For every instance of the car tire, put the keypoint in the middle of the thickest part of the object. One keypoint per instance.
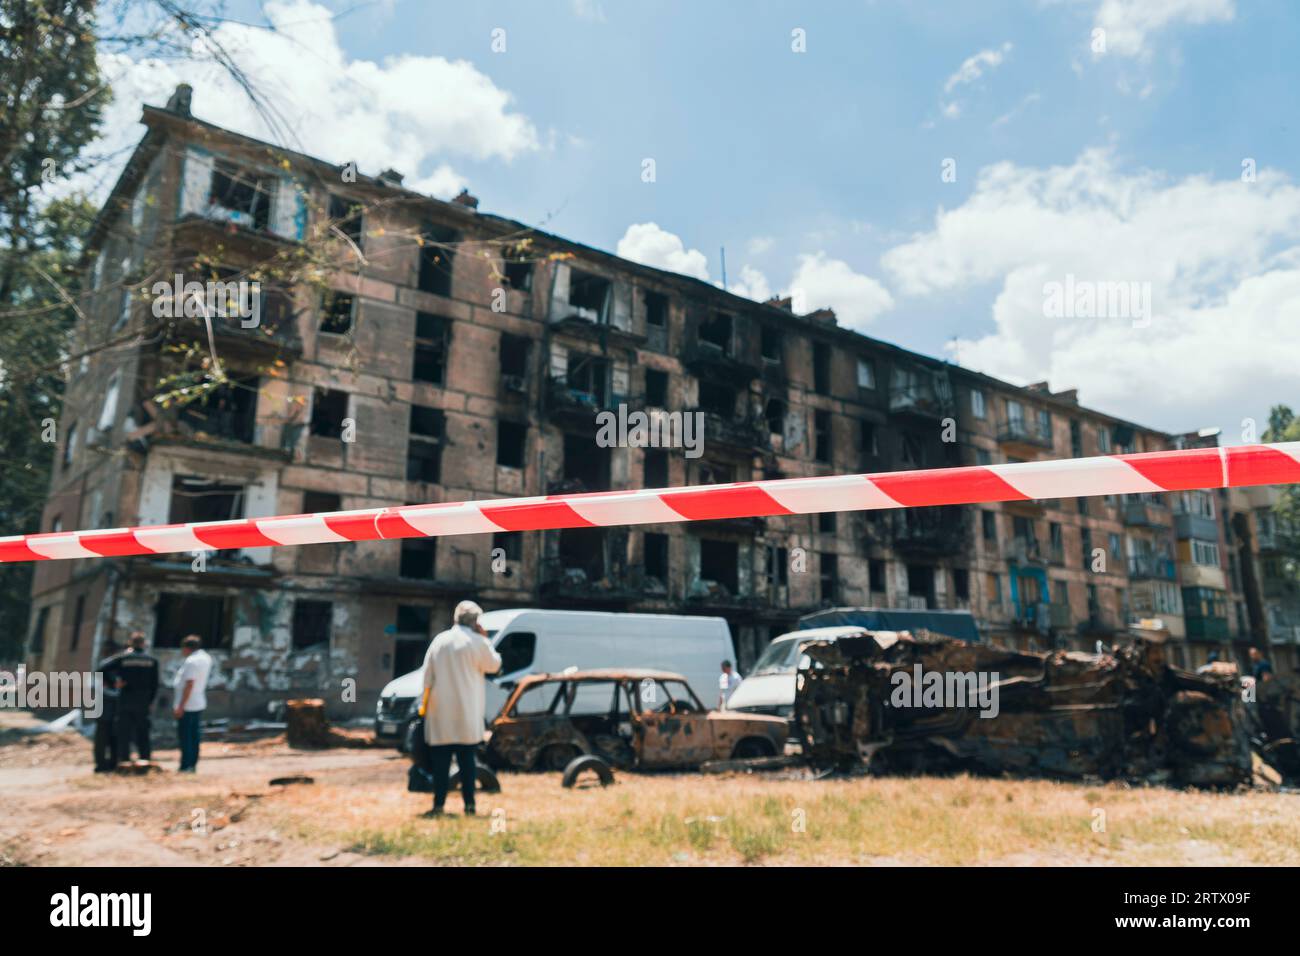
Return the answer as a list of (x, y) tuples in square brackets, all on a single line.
[(484, 780), (752, 747), (557, 757), (587, 762)]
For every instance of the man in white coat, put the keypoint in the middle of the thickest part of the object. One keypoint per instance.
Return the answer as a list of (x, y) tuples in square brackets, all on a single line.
[(453, 701)]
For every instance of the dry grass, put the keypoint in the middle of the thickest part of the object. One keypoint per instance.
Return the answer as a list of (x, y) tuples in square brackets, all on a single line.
[(658, 820)]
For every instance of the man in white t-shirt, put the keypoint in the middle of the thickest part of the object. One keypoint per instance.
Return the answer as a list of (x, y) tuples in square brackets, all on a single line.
[(191, 699), (728, 681)]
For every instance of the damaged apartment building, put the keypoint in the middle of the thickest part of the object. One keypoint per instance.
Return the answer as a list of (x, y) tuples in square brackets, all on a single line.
[(411, 350)]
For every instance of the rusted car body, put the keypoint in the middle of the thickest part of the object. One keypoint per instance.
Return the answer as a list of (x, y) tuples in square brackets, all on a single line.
[(635, 719), (1121, 715)]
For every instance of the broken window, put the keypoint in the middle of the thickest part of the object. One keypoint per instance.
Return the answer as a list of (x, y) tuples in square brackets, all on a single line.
[(424, 445), (822, 435), (770, 343), (518, 270), (108, 411), (241, 195), (656, 468), (876, 575), (311, 623), (774, 412), (821, 368), (656, 309), (588, 378), (961, 584), (179, 615), (78, 616), (227, 411), (826, 522), (336, 310), (868, 443), (920, 582), (413, 619), (656, 388), (511, 544), (589, 296), (329, 409), (37, 643), (70, 445), (204, 499), (912, 451), (718, 563), (437, 252), (866, 373), (514, 358), (715, 330), (656, 556), (346, 216), (582, 550), (512, 442), (418, 559), (828, 569), (778, 566), (586, 465), (718, 399), (432, 338), (990, 525)]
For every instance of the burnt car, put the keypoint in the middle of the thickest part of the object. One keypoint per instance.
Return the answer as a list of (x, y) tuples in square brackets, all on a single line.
[(634, 719)]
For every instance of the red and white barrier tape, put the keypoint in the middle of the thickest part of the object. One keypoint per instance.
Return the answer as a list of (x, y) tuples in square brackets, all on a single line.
[(1076, 477)]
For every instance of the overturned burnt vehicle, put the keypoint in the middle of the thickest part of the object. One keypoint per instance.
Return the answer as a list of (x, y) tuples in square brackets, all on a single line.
[(920, 702), (632, 719)]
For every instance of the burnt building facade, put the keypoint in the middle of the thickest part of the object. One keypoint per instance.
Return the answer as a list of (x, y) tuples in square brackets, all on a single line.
[(405, 349)]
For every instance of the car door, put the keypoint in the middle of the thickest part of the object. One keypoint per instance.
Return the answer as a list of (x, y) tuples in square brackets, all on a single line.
[(672, 726)]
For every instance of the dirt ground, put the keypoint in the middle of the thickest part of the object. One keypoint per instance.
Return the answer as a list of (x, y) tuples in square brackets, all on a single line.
[(355, 811)]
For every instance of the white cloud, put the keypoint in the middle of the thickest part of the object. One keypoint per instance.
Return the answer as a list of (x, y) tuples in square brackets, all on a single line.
[(592, 10), (759, 245), (1222, 259), (752, 285), (971, 69), (406, 112), (821, 282), (975, 66), (1129, 23), (646, 243)]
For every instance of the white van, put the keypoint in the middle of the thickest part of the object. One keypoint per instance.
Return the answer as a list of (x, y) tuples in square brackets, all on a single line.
[(534, 641), (769, 687)]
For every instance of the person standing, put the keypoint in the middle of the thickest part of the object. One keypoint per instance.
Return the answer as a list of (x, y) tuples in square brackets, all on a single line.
[(728, 681), (136, 676), (453, 701), (105, 746), (191, 699)]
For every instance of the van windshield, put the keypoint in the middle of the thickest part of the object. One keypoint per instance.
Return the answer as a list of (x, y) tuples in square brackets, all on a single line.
[(781, 656)]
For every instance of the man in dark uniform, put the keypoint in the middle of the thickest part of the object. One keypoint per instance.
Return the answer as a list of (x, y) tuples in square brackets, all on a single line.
[(136, 674), (105, 729)]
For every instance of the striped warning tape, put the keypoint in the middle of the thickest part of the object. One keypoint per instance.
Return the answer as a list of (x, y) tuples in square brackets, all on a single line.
[(1069, 478)]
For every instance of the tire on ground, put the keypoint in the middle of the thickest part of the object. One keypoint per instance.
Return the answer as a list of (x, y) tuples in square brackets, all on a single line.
[(580, 765), (484, 779)]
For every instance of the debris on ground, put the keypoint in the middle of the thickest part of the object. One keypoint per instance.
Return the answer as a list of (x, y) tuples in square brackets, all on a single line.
[(1122, 715)]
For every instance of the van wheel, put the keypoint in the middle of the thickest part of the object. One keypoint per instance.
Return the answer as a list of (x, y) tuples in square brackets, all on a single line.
[(585, 765), (752, 747), (484, 780), (557, 756)]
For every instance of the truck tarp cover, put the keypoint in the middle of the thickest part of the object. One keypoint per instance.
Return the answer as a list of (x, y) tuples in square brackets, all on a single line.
[(955, 624)]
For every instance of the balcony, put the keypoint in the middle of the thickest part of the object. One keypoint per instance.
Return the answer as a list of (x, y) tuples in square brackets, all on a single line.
[(1032, 617), (591, 582), (927, 397), (1150, 567), (1196, 526), (926, 531), (704, 593), (745, 434), (1137, 514), (1023, 551), (1021, 436), (577, 401), (1207, 629), (708, 359), (244, 321)]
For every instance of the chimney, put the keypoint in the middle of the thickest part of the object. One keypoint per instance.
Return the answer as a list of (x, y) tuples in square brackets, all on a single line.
[(179, 101), (786, 304), (1039, 387), (463, 198), (824, 316), (391, 177)]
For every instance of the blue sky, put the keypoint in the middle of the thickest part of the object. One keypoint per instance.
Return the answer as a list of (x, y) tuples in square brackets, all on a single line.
[(820, 170)]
